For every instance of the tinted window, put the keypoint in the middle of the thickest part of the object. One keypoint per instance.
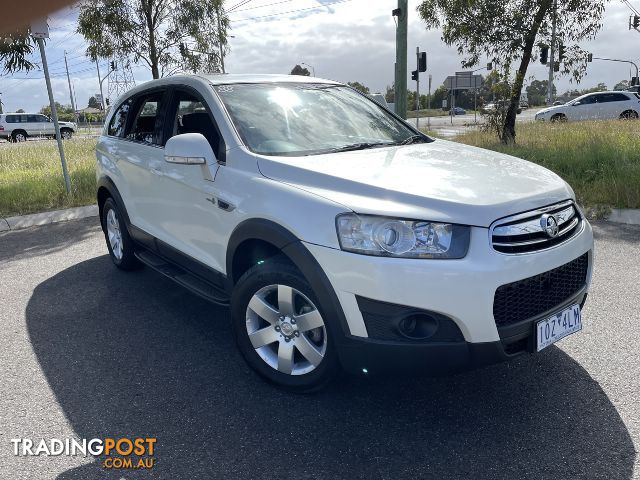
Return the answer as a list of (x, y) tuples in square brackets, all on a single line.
[(617, 97), (589, 100), (33, 118), (13, 118), (191, 116), (143, 127), (119, 120), (42, 118)]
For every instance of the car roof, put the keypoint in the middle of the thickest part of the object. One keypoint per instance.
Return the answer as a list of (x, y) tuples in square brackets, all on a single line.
[(225, 79)]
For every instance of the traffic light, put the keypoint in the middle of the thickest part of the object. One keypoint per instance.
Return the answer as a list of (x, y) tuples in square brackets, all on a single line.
[(544, 55), (590, 58), (107, 101), (556, 66), (113, 65), (183, 49), (422, 62), (636, 21), (414, 75), (489, 66), (561, 52)]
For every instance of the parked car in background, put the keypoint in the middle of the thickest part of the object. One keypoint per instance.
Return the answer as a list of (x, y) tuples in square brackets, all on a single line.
[(458, 111), (594, 106), (491, 107), (340, 236), (557, 102), (17, 127)]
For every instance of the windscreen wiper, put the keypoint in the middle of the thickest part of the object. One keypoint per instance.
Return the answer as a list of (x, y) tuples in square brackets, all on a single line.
[(414, 139), (360, 146)]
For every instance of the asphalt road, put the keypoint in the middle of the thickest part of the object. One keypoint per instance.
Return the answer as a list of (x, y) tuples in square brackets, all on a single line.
[(87, 351)]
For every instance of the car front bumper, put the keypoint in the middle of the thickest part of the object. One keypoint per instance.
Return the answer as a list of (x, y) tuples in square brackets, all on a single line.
[(460, 291)]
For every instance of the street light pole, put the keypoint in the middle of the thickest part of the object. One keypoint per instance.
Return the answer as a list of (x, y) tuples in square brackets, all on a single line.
[(100, 80)]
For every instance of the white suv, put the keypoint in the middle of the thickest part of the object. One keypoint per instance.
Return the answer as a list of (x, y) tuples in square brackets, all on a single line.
[(18, 127), (594, 106), (339, 235)]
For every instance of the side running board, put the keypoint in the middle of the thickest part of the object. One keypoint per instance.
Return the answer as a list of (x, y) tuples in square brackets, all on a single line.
[(182, 277)]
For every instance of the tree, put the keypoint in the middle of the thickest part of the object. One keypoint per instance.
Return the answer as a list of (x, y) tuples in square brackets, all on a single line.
[(94, 103), (167, 35), (622, 85), (507, 32), (20, 110), (298, 70), (537, 92), (360, 87), (15, 47)]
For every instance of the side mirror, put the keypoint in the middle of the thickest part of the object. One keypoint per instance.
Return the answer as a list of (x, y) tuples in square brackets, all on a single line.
[(189, 149)]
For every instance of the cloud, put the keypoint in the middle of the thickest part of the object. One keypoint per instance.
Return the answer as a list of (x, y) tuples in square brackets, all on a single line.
[(352, 40)]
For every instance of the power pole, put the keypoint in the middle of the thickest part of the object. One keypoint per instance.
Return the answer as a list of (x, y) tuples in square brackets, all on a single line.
[(552, 53), (418, 87), (66, 65), (1, 104), (429, 104), (400, 93), (54, 113), (220, 39)]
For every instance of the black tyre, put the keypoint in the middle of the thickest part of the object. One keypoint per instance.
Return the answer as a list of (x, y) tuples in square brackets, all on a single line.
[(560, 117), (66, 133), (19, 136), (629, 115), (280, 327), (117, 237)]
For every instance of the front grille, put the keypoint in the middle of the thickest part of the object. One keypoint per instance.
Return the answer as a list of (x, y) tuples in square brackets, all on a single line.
[(536, 230), (533, 296)]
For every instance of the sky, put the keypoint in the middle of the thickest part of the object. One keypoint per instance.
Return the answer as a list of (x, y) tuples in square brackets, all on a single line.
[(343, 40)]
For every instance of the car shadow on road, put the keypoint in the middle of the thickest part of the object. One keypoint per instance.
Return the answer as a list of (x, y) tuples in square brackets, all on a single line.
[(135, 355)]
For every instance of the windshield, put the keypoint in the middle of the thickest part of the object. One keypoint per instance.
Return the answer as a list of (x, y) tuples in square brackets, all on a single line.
[(310, 119)]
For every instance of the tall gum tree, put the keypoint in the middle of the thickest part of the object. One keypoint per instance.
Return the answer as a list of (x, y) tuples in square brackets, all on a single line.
[(509, 32), (165, 35)]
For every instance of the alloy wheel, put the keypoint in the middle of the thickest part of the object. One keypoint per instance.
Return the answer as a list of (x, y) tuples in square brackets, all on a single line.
[(286, 329), (114, 234)]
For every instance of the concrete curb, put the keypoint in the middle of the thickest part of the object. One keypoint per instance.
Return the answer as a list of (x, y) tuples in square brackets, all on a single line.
[(624, 215), (45, 218)]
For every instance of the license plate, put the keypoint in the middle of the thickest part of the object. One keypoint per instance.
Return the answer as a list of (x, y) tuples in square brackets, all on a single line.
[(558, 326)]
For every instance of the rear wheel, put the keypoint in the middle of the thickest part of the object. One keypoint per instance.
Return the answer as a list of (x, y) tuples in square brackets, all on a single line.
[(280, 328), (559, 117), (66, 134), (629, 115), (117, 237), (19, 136)]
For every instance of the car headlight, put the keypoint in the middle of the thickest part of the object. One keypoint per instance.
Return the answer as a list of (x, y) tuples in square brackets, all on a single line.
[(372, 235)]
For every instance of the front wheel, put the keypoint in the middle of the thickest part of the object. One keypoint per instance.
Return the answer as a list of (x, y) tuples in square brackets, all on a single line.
[(66, 134), (119, 242), (280, 328), (560, 117), (629, 115)]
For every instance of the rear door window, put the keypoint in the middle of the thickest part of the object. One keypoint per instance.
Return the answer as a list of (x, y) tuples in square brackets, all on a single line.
[(145, 126), (119, 120)]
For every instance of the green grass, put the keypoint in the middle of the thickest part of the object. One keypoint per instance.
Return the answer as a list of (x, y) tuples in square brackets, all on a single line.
[(430, 113), (600, 160), (31, 176)]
